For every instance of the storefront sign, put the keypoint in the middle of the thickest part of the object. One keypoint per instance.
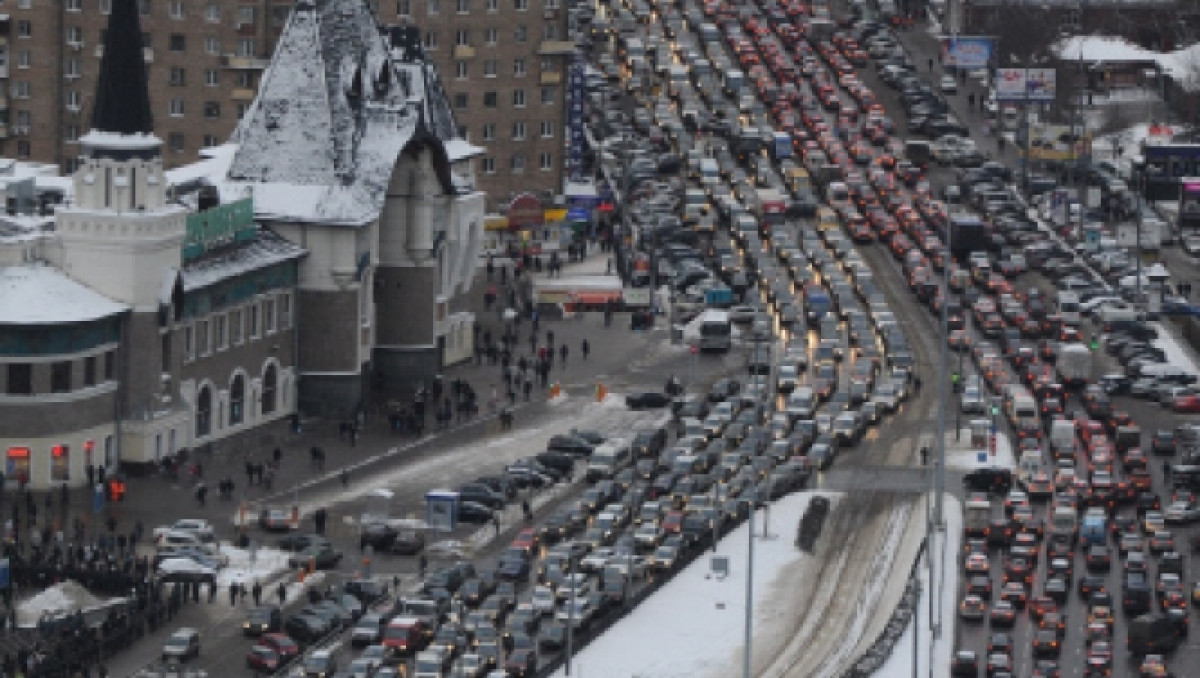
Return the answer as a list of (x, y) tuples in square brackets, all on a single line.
[(575, 101), (219, 226), (525, 211)]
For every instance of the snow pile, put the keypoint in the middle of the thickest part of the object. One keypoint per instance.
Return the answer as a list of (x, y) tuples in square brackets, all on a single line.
[(268, 563), (559, 399), (945, 547), (1176, 353), (63, 598), (704, 608), (1180, 65)]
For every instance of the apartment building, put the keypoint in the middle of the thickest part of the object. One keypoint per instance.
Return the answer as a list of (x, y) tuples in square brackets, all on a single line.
[(204, 60), (503, 64)]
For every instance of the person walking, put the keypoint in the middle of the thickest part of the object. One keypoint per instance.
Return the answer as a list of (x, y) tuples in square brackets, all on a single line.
[(233, 593), (563, 353), (345, 476), (422, 563), (585, 348), (256, 593), (281, 593)]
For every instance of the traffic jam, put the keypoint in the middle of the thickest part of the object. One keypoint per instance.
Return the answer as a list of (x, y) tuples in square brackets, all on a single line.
[(781, 203)]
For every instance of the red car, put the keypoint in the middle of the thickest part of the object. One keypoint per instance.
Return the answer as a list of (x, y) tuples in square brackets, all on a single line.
[(280, 643), (1187, 404), (263, 658)]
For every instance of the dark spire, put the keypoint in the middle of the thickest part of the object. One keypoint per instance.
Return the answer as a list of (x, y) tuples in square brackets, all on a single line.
[(122, 100)]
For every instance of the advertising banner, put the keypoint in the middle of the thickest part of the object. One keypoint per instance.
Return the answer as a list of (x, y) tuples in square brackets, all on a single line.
[(966, 51), (1010, 84), (577, 93), (1040, 84)]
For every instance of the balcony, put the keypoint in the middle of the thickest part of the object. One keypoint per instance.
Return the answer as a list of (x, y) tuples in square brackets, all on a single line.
[(551, 78), (464, 52), (244, 63), (242, 94), (556, 47)]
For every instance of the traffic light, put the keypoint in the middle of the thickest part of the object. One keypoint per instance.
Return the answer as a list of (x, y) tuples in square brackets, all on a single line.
[(1094, 343), (995, 410), (954, 382)]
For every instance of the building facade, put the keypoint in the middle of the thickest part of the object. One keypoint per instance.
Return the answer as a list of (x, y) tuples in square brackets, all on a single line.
[(503, 63)]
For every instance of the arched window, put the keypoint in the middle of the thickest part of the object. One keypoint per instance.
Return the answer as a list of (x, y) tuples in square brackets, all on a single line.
[(204, 412), (270, 390), (237, 400)]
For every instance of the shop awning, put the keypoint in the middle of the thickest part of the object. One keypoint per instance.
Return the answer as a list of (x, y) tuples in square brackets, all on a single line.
[(495, 223), (595, 297)]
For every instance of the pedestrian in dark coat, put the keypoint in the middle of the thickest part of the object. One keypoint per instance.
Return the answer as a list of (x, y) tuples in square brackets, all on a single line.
[(256, 593), (281, 593)]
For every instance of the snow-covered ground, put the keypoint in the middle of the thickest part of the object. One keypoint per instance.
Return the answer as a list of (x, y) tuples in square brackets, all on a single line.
[(692, 627), (267, 564), (66, 597), (945, 546), (960, 454), (1177, 353)]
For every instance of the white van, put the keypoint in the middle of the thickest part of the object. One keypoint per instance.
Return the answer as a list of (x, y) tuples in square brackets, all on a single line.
[(802, 403), (609, 459), (1068, 307), (710, 172)]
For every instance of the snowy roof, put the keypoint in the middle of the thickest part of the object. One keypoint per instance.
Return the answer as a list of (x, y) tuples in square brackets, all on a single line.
[(461, 149), (1182, 65), (322, 137), (267, 249), (41, 295)]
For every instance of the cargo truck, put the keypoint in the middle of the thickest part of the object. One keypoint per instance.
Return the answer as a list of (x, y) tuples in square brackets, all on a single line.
[(1074, 364), (1064, 525), (1153, 634), (978, 516)]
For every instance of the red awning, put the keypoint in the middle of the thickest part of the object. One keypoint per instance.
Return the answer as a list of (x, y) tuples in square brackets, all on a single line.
[(595, 297)]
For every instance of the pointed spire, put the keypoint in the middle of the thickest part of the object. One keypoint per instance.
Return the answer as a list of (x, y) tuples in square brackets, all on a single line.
[(122, 99)]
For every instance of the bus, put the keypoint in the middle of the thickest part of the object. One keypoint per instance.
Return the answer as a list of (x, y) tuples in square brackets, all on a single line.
[(716, 331)]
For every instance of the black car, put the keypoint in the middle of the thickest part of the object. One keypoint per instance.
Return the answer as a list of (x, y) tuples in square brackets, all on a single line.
[(993, 480), (647, 400), (559, 461), (263, 619), (481, 494), (474, 513), (570, 444), (408, 542), (304, 629), (299, 541), (366, 590), (378, 536), (649, 442), (724, 389)]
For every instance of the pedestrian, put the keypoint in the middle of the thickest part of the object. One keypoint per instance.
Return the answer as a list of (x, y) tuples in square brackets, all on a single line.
[(201, 493), (491, 268), (256, 593), (528, 387), (930, 62), (277, 455), (1167, 470), (422, 563), (585, 348), (242, 592), (345, 475), (917, 384), (281, 593), (563, 352), (526, 510), (924, 455)]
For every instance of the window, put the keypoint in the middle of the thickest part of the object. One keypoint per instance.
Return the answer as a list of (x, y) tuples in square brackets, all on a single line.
[(204, 412), (220, 337), (518, 131), (106, 6), (246, 15), (165, 352), (519, 98), (144, 7), (244, 79), (489, 68), (404, 7), (177, 42), (521, 33), (71, 68), (212, 110), (74, 35), (489, 131), (73, 100), (270, 390), (546, 162), (247, 47), (552, 4), (235, 327), (110, 365), (549, 65), (432, 7), (460, 100), (252, 322), (24, 149), (210, 140), (269, 316), (285, 311), (60, 376), (491, 35), (74, 5), (521, 5), (21, 89), (493, 5), (489, 99), (212, 46), (24, 118), (189, 343), (177, 76), (20, 379), (237, 400), (547, 129), (24, 58), (462, 37), (175, 108), (89, 371), (212, 14), (461, 70), (550, 31), (212, 77), (60, 463), (549, 96), (463, 6), (489, 165), (241, 111), (24, 28), (175, 141), (177, 11), (519, 68), (431, 40), (202, 338), (517, 162)]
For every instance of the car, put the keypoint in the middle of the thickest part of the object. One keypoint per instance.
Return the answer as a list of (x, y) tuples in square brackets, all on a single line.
[(263, 619), (262, 659), (1182, 513), (972, 608), (368, 630), (276, 520), (964, 664), (198, 528), (521, 663), (474, 513), (320, 555), (182, 645), (647, 400), (1046, 644), (281, 644), (298, 541), (1003, 615), (320, 664)]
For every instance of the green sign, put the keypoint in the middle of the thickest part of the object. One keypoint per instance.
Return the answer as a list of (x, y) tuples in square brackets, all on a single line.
[(219, 226)]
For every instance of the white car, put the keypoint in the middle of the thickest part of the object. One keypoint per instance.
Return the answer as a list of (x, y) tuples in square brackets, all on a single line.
[(948, 85), (1181, 513), (198, 527), (543, 600)]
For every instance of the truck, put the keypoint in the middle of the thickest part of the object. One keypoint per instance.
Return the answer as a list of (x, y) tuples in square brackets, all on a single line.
[(1074, 364), (1062, 439), (782, 146), (968, 233), (1095, 527), (1031, 464), (1064, 525), (1153, 634), (978, 517), (820, 30), (771, 209)]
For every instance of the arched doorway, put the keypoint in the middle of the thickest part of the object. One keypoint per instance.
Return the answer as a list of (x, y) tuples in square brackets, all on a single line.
[(204, 412), (237, 400), (270, 390)]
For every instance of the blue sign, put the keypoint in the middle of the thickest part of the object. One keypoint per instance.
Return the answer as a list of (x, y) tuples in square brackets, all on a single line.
[(5, 574), (966, 51), (98, 499), (441, 510), (577, 88), (579, 214)]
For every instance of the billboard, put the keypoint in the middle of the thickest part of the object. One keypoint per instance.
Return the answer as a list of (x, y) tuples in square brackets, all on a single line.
[(1026, 84), (966, 51)]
